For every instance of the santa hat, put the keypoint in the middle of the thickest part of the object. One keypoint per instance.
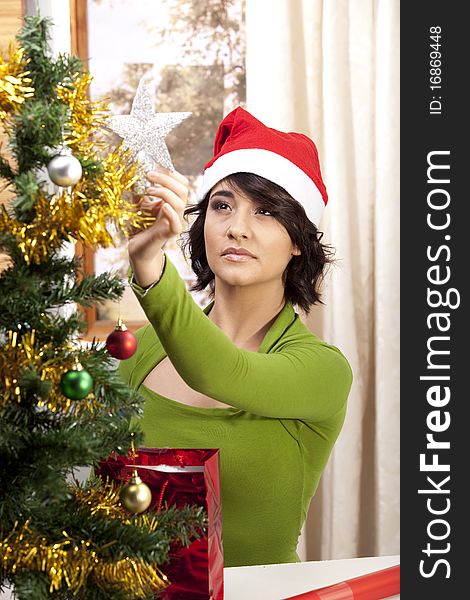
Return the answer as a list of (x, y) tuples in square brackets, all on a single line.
[(244, 144)]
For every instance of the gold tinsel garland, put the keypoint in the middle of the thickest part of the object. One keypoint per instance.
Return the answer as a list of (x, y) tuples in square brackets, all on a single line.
[(83, 212), (21, 352), (135, 576), (103, 202), (80, 214), (104, 500), (69, 562), (14, 82), (85, 115)]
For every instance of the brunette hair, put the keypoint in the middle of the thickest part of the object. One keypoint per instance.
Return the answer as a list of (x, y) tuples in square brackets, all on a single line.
[(304, 273)]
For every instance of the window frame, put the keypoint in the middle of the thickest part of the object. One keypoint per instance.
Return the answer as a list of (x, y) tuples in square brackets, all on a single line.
[(97, 329)]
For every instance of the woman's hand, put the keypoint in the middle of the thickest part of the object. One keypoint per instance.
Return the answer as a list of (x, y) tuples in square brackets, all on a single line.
[(166, 200)]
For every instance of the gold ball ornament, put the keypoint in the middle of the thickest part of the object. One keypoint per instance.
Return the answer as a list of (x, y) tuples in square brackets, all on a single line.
[(135, 496), (64, 170)]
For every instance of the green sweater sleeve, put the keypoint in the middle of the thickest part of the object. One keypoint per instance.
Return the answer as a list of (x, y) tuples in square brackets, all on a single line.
[(304, 378)]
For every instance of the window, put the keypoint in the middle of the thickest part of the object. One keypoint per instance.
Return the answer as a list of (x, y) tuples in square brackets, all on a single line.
[(195, 52)]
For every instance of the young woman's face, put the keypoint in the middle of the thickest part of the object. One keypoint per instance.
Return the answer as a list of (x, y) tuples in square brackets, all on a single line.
[(234, 221)]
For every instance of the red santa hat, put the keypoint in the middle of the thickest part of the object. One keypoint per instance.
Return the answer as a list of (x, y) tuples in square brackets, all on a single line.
[(244, 144)]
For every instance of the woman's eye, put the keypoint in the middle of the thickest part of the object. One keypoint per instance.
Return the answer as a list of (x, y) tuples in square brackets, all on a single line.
[(218, 205), (265, 211)]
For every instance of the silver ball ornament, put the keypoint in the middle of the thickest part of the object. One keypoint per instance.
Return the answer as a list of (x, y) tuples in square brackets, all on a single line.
[(64, 170)]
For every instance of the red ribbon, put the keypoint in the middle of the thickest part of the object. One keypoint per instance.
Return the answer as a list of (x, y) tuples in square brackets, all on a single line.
[(160, 498)]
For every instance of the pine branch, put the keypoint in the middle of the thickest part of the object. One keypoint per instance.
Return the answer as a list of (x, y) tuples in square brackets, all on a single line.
[(41, 288), (38, 129), (96, 592), (6, 172), (31, 585), (183, 525), (34, 37), (56, 329), (27, 187), (92, 289)]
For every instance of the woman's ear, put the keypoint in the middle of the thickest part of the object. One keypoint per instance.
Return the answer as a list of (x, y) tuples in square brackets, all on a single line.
[(296, 251)]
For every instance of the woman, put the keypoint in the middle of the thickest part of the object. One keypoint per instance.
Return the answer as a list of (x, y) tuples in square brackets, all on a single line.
[(244, 374)]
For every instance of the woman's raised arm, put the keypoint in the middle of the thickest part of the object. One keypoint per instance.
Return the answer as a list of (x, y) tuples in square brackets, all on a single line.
[(305, 378), (165, 200)]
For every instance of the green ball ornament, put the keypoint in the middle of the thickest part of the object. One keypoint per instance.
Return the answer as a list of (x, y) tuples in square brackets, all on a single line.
[(76, 384)]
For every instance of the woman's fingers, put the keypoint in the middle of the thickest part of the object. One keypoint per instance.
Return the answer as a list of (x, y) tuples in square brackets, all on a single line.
[(174, 220), (175, 182), (161, 209), (184, 180), (150, 204), (152, 176), (165, 201), (168, 196)]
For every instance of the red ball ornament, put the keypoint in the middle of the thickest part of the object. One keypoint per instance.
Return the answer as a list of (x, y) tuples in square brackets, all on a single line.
[(121, 343)]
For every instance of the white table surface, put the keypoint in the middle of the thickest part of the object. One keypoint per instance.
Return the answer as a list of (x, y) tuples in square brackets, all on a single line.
[(275, 582)]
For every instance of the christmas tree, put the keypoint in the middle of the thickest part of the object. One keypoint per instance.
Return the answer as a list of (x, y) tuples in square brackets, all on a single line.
[(62, 404)]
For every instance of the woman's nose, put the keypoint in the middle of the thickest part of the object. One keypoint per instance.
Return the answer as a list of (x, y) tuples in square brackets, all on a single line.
[(239, 225)]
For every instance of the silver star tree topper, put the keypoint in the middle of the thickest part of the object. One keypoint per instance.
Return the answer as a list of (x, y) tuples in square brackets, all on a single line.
[(143, 131)]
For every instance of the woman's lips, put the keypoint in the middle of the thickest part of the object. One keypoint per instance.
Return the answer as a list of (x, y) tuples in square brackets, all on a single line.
[(238, 257)]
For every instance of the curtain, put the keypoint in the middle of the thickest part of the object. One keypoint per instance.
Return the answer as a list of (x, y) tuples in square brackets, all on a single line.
[(330, 69)]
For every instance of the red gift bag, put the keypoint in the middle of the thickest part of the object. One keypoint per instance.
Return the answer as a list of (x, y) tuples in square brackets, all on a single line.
[(178, 477)]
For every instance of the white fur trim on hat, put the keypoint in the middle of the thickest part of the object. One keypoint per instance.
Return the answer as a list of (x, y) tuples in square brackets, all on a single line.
[(271, 166)]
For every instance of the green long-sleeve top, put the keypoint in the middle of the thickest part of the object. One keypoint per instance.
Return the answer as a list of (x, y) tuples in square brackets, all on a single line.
[(287, 406)]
